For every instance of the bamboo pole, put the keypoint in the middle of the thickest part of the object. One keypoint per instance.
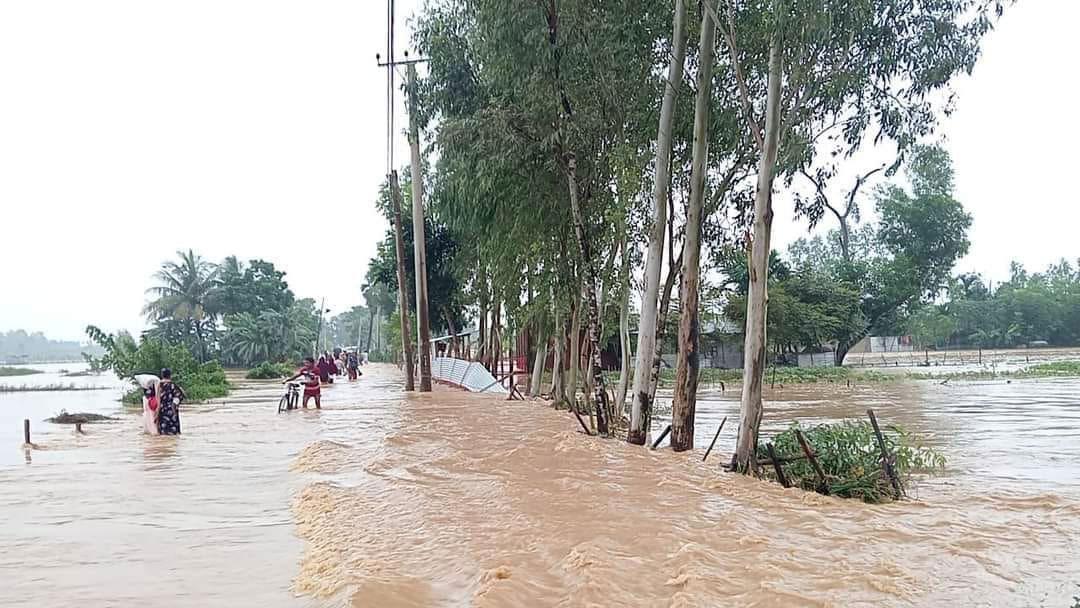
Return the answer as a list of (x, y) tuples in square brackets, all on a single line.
[(715, 437), (822, 487), (886, 459), (777, 466), (656, 443), (26, 431)]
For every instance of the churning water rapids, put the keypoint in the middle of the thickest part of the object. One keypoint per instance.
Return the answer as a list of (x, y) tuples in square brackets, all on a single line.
[(385, 499)]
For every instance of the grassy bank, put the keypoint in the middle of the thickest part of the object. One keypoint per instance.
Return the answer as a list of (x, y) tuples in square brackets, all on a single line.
[(48, 388), (810, 375), (786, 376), (18, 371), (783, 375)]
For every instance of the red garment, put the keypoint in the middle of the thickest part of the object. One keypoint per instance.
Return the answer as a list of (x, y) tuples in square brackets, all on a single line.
[(311, 380)]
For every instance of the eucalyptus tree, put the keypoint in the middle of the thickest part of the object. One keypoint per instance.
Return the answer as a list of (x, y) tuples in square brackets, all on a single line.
[(805, 68), (686, 371), (532, 104), (647, 321)]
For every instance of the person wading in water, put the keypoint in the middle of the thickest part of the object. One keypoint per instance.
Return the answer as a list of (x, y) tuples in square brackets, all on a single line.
[(311, 382), (169, 396)]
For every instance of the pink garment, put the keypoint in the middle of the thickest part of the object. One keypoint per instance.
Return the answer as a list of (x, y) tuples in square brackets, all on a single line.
[(149, 425)]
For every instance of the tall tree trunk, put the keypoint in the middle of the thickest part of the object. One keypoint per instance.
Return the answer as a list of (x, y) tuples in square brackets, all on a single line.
[(451, 350), (647, 323), (202, 341), (536, 381), (575, 353), (565, 113), (423, 338), (403, 287), (845, 239), (590, 297), (558, 378), (757, 300), (370, 327), (378, 336), (481, 338), (684, 404), (619, 406), (492, 348)]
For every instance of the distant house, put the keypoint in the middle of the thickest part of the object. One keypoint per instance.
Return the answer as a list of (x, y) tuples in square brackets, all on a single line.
[(884, 344), (720, 346), (816, 358)]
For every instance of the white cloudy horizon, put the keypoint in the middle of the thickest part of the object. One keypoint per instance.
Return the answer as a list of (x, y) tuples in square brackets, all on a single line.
[(130, 130)]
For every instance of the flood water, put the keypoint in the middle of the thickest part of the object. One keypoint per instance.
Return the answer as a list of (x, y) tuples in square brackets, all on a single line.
[(450, 499)]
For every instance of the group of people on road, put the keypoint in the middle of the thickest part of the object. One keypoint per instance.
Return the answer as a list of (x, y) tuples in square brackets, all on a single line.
[(339, 363), (315, 374), (162, 397)]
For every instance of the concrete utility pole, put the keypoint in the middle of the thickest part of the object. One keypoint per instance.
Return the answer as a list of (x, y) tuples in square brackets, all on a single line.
[(419, 246), (403, 288)]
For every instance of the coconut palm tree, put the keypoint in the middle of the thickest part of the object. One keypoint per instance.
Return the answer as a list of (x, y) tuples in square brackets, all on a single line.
[(248, 340), (184, 294)]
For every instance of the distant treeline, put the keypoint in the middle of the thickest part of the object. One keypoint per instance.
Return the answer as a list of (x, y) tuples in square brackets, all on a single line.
[(18, 346)]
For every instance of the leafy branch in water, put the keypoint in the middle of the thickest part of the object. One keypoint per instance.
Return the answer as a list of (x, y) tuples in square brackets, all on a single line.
[(126, 357), (851, 459)]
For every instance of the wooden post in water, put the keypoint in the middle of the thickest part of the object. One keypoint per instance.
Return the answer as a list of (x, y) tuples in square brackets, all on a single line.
[(886, 459), (580, 420), (656, 443), (26, 431), (776, 465), (715, 437), (822, 487)]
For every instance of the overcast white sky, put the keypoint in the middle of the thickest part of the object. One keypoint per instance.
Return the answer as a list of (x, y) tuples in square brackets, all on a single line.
[(257, 128)]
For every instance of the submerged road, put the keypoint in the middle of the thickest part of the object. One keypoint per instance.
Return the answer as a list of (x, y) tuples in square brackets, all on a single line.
[(453, 499)]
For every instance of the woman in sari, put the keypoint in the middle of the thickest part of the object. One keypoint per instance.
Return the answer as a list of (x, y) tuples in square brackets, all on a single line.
[(169, 396), (324, 367), (148, 384)]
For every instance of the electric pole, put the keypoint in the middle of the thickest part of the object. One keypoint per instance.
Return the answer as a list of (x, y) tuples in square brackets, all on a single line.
[(403, 287), (419, 245)]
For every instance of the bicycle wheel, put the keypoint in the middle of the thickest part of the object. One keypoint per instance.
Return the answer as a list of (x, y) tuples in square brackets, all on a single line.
[(283, 404), (294, 398)]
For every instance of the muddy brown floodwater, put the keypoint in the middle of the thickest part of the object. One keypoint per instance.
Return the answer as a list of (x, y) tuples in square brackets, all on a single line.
[(452, 499)]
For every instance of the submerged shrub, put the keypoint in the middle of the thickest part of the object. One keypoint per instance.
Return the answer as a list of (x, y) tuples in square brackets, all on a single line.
[(269, 371), (850, 458)]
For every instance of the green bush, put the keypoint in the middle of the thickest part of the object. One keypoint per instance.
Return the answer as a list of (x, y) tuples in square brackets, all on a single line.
[(849, 456), (204, 381), (269, 371), (782, 375), (126, 357)]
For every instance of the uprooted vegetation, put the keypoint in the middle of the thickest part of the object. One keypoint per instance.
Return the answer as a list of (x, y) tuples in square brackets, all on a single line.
[(850, 459), (78, 417)]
